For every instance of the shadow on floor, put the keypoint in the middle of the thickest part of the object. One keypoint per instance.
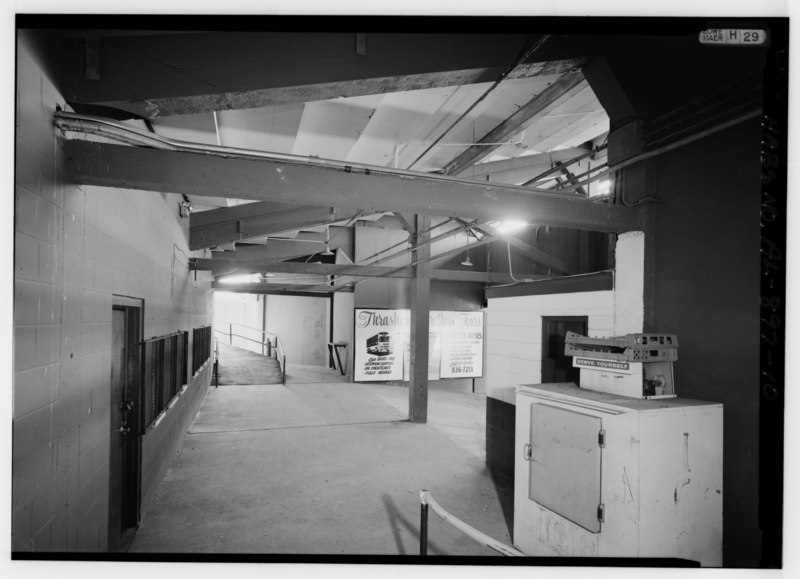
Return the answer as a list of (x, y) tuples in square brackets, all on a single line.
[(504, 484)]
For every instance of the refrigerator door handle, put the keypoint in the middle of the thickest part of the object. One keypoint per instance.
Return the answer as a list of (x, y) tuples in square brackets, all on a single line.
[(527, 451)]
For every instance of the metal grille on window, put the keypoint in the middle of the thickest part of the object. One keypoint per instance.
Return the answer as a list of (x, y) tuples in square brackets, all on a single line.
[(201, 347), (165, 371)]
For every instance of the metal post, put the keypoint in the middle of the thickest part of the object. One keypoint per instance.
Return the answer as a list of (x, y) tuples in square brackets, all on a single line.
[(423, 529), (230, 333)]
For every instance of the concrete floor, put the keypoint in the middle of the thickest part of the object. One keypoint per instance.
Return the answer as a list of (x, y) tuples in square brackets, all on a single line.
[(325, 467)]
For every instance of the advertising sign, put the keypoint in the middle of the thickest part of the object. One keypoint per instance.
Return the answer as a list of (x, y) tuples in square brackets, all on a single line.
[(383, 349), (380, 339)]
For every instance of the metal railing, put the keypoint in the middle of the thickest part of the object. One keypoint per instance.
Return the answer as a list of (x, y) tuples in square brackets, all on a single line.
[(265, 342), (426, 500), (270, 343)]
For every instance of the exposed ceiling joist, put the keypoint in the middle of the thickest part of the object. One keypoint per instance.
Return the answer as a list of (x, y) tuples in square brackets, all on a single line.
[(541, 257), (274, 289), (212, 228), (525, 164), (238, 212), (438, 257), (283, 181), (405, 221), (569, 84), (534, 253), (280, 249), (161, 75), (341, 270)]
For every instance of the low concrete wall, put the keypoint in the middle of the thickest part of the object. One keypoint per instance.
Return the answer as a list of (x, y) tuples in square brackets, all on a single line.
[(160, 444)]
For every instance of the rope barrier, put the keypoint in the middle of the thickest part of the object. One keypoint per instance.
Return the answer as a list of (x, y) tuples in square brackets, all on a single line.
[(427, 501)]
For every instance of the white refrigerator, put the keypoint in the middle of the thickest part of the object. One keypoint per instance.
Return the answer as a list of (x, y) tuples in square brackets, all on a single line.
[(603, 475)]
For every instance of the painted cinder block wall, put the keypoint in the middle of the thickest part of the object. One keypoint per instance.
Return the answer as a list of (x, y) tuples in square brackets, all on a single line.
[(514, 357), (74, 247), (514, 339)]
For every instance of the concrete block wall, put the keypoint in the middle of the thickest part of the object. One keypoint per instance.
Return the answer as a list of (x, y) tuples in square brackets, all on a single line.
[(74, 247), (514, 357), (161, 443), (514, 334)]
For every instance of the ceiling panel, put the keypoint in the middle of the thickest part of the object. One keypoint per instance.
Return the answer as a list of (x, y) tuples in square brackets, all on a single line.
[(193, 128), (402, 120), (329, 129), (264, 129)]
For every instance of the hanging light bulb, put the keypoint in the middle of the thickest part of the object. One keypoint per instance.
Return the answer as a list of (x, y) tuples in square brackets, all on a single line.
[(467, 262)]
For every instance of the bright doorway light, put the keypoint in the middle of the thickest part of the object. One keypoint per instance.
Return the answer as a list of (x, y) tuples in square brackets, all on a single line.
[(508, 226)]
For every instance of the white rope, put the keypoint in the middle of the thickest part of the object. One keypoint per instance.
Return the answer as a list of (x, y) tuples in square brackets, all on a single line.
[(484, 539)]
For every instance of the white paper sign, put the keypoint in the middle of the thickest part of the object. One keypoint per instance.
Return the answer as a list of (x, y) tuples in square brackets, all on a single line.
[(462, 344), (380, 339), (382, 345)]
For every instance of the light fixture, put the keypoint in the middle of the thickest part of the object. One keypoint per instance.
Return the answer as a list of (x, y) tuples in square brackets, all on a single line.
[(184, 209), (327, 240), (467, 262), (508, 226), (603, 188)]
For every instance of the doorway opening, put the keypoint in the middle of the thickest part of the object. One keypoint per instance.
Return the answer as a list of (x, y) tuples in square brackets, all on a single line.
[(556, 367), (125, 453)]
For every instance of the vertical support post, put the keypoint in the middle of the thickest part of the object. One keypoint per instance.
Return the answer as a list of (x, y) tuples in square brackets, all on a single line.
[(423, 529), (420, 323), (230, 333)]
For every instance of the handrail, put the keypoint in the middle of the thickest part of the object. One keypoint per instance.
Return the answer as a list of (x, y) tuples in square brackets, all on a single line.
[(170, 335), (246, 327), (280, 353), (242, 337), (426, 500)]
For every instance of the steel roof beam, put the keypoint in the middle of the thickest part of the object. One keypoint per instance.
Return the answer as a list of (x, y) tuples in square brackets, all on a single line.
[(299, 183)]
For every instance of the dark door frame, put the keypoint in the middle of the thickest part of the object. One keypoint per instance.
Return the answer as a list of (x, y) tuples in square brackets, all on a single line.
[(130, 420)]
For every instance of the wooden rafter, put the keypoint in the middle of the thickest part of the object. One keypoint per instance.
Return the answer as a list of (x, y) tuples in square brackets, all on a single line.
[(218, 226), (564, 88), (179, 74)]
